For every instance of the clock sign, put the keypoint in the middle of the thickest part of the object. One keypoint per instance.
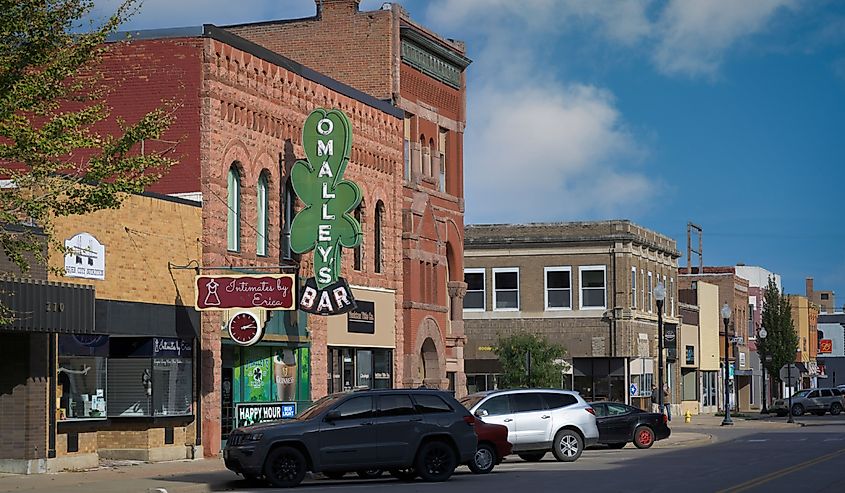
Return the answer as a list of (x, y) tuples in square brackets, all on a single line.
[(244, 329)]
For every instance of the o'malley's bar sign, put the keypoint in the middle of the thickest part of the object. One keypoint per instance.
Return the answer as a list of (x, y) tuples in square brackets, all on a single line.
[(325, 225)]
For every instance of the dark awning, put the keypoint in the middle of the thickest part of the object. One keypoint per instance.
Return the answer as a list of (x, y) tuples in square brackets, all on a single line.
[(127, 318), (42, 306), (482, 366)]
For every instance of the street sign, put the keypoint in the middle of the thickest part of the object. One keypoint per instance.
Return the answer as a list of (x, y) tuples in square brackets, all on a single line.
[(634, 389)]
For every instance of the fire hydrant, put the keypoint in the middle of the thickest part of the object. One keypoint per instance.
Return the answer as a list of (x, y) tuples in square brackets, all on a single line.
[(687, 416)]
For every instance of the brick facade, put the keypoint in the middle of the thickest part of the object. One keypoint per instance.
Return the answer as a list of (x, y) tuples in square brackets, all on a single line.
[(366, 53)]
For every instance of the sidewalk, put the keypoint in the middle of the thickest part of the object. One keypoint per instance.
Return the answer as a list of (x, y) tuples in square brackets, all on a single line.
[(711, 420)]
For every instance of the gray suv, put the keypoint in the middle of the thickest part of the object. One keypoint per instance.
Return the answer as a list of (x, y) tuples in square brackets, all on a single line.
[(410, 432), (816, 401)]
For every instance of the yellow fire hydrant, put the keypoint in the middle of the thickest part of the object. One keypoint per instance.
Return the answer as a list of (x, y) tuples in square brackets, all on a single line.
[(687, 416)]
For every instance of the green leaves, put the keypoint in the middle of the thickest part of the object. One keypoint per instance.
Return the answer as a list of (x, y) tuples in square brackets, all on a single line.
[(325, 225), (781, 342), (512, 352), (51, 105)]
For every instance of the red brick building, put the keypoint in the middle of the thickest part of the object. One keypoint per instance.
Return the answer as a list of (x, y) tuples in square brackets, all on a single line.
[(237, 132), (386, 54)]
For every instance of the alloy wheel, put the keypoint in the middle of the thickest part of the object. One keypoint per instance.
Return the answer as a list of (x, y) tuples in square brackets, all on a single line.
[(569, 445)]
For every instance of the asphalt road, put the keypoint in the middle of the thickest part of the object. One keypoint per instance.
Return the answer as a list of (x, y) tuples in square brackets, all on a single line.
[(806, 459)]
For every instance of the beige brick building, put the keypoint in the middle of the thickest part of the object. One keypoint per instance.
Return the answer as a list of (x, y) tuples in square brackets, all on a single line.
[(586, 285)]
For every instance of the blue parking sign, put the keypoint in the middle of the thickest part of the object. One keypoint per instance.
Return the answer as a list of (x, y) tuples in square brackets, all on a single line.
[(634, 389)]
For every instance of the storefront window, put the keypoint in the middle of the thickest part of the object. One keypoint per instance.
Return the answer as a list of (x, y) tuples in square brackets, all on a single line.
[(172, 386), (81, 376), (350, 368), (598, 379), (130, 387)]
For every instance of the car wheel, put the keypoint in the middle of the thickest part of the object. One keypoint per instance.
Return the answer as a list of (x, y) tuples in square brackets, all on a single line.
[(835, 408), (567, 446), (797, 410), (369, 473), (436, 461), (285, 467), (532, 456), (407, 474), (643, 437), (334, 474), (484, 459), (617, 446)]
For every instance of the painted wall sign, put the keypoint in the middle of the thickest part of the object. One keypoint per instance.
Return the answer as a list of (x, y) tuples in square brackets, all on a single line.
[(85, 257), (250, 414), (269, 292), (325, 225), (362, 320)]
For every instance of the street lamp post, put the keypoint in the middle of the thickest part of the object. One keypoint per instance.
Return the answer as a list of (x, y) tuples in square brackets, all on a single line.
[(659, 296), (762, 335), (726, 318)]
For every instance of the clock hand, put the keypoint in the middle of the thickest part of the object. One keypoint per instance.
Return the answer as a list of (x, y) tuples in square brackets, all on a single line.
[(250, 326)]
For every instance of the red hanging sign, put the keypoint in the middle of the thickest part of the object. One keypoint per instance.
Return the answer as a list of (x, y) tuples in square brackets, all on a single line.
[(269, 292)]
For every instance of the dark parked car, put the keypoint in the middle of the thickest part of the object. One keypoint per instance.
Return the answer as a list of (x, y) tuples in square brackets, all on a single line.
[(493, 446), (409, 432), (620, 423)]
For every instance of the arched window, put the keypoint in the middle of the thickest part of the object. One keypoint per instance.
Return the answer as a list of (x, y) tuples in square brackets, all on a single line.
[(233, 222), (358, 255), (425, 157), (262, 205), (377, 222)]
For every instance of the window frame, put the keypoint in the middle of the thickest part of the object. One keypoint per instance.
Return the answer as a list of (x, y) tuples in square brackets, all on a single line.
[(483, 272), (590, 268), (378, 223), (633, 288), (233, 209), (561, 268), (650, 289), (505, 270), (262, 216)]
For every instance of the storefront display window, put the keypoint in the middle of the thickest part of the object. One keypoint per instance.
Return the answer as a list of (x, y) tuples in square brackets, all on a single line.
[(598, 379), (351, 368), (172, 380), (81, 377)]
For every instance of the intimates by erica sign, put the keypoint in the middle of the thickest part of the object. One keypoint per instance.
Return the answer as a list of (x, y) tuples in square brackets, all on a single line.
[(270, 292)]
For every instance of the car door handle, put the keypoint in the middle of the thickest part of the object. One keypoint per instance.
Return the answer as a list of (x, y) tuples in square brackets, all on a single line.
[(545, 416), (508, 420)]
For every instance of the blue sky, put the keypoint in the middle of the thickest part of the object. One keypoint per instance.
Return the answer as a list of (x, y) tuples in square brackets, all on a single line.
[(722, 112)]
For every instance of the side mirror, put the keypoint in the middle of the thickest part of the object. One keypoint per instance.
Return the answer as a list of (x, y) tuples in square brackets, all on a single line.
[(332, 415), (481, 413)]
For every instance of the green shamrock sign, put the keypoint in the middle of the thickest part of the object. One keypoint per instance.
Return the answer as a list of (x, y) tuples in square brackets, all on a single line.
[(325, 225)]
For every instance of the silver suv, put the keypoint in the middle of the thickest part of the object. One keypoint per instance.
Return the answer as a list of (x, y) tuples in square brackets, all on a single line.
[(816, 401), (539, 420)]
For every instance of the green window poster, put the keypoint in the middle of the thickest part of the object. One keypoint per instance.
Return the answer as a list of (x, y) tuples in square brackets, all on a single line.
[(256, 375), (265, 374)]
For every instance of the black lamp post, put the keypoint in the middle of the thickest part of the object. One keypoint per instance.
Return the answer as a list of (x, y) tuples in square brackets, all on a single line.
[(762, 353), (726, 318), (659, 296)]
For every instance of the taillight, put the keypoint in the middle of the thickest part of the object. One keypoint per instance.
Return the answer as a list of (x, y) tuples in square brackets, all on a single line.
[(665, 419), (470, 420), (591, 411)]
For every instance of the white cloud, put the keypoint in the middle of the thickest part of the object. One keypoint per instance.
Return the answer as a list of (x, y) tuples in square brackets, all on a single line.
[(694, 35), (549, 152)]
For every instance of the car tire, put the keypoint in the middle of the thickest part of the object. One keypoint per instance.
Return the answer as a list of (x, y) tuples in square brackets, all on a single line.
[(436, 461), (797, 410), (334, 474), (369, 473), (532, 456), (408, 474), (643, 437), (484, 459), (285, 467), (617, 446), (835, 409), (567, 446)]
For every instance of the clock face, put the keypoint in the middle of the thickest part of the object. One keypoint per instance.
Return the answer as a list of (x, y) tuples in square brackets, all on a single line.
[(243, 329)]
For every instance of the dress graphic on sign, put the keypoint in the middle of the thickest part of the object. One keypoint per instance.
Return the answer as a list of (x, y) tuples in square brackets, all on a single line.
[(211, 299)]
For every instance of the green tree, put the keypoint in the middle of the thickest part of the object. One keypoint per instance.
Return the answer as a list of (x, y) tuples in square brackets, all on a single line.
[(54, 159), (512, 351), (781, 341)]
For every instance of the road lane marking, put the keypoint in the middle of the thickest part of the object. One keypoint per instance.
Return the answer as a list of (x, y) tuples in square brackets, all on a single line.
[(760, 440), (759, 481)]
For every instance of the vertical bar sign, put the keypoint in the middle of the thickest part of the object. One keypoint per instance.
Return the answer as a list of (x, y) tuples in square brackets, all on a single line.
[(325, 225)]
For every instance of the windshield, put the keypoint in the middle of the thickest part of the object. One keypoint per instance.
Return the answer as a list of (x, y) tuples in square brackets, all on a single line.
[(471, 400), (318, 407), (800, 393)]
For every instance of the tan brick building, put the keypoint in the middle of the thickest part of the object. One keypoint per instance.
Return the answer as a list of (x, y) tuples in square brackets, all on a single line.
[(586, 285), (386, 54)]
